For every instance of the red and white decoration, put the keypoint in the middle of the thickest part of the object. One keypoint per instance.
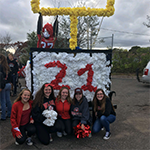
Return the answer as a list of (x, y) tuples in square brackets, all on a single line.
[(63, 69)]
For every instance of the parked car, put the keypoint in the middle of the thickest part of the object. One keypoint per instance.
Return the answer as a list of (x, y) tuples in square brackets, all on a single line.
[(146, 74)]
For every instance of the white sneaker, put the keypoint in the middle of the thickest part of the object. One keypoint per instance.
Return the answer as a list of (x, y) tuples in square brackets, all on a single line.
[(107, 136), (64, 133), (16, 143), (29, 141), (59, 134)]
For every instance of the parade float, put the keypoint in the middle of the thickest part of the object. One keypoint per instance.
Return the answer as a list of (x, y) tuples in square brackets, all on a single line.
[(60, 67)]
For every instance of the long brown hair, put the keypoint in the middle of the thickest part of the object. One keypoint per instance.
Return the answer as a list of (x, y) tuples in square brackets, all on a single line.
[(4, 63), (39, 97), (74, 99), (59, 95), (20, 94), (102, 102)]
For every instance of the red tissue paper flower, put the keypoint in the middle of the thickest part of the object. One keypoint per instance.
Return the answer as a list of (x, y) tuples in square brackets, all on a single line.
[(88, 86), (59, 76), (82, 133), (21, 72)]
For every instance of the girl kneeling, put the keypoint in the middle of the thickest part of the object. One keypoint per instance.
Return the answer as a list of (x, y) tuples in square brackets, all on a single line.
[(44, 100), (103, 112), (63, 102), (21, 119), (80, 112)]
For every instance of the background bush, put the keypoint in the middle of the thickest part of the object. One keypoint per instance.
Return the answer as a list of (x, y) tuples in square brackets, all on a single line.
[(129, 61)]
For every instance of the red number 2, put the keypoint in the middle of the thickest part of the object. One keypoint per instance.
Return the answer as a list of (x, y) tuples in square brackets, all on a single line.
[(60, 75)]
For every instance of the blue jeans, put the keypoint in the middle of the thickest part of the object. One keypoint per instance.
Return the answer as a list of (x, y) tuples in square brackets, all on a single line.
[(5, 100), (103, 121)]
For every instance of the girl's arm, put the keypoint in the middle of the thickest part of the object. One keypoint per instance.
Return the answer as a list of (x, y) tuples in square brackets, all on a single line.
[(13, 119), (85, 112), (37, 114), (107, 107)]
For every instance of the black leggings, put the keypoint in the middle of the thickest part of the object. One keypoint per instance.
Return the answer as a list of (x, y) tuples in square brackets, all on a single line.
[(66, 125), (43, 131), (30, 128)]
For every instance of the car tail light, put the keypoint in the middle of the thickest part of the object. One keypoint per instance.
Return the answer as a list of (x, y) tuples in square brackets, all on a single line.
[(146, 72)]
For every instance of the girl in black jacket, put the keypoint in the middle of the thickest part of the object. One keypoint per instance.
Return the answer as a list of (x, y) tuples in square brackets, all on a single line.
[(80, 110), (104, 113), (44, 99)]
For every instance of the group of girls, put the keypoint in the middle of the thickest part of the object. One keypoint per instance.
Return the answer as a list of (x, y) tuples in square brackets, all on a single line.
[(27, 118)]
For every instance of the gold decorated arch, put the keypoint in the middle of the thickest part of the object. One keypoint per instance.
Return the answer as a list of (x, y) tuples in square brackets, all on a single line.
[(74, 13)]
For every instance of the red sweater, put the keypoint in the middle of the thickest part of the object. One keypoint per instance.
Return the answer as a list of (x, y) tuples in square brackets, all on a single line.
[(63, 109), (16, 114)]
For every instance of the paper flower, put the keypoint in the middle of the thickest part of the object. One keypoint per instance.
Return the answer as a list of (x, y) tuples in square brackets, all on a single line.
[(27, 71), (51, 116), (82, 133)]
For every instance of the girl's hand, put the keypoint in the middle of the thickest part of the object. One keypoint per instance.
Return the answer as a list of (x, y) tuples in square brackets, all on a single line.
[(31, 121), (19, 136), (82, 127)]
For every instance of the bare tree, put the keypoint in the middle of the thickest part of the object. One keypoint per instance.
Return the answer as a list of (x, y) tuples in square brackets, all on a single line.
[(147, 24), (5, 43)]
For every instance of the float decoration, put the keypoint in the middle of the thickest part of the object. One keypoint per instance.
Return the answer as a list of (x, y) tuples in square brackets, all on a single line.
[(62, 69), (47, 35), (82, 133), (59, 76), (88, 86), (74, 13), (51, 116)]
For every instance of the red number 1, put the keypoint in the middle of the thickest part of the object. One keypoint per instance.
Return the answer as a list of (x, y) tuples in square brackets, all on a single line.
[(88, 86)]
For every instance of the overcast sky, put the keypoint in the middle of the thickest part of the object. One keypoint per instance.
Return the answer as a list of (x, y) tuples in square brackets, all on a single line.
[(17, 19)]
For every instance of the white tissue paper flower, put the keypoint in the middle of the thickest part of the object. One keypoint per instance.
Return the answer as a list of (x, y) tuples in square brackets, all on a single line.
[(51, 116), (27, 71), (42, 74)]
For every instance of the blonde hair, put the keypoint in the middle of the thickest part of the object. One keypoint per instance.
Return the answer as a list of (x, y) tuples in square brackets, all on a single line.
[(10, 54), (20, 94)]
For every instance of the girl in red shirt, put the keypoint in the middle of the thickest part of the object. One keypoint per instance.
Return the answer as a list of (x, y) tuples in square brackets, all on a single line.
[(21, 120), (63, 103)]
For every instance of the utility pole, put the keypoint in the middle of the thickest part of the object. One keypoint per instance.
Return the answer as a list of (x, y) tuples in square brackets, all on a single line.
[(112, 41), (91, 40)]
